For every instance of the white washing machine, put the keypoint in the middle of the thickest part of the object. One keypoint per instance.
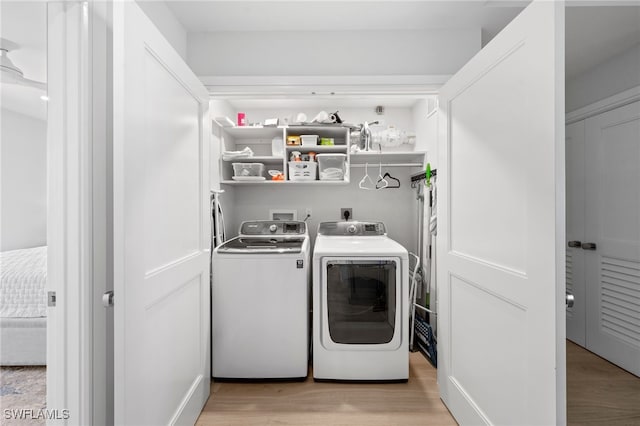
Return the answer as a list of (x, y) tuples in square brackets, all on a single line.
[(360, 304), (260, 302)]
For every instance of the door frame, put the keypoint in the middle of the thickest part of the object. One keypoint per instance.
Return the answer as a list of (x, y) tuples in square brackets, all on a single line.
[(70, 217), (607, 104)]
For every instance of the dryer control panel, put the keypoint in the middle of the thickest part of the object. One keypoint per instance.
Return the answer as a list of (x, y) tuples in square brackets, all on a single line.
[(273, 227), (352, 228)]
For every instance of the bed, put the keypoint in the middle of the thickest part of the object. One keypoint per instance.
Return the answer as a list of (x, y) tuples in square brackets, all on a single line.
[(23, 306)]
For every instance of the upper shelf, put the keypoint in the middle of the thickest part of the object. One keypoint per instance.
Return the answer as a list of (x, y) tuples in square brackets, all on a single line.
[(326, 131), (258, 132)]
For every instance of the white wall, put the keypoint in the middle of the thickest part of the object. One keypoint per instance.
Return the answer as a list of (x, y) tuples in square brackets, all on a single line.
[(164, 19), (23, 186), (426, 123), (397, 208), (304, 53), (616, 75)]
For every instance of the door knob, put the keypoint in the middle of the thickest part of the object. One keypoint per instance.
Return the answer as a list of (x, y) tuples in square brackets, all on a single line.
[(570, 300), (575, 244), (588, 246)]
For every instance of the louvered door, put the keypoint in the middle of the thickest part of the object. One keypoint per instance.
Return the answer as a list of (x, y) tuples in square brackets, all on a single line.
[(612, 220)]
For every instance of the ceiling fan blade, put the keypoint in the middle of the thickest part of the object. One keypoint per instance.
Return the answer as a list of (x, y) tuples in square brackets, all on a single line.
[(33, 83), (9, 78), (9, 72)]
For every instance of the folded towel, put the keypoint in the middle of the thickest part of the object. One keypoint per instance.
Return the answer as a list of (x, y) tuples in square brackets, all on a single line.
[(232, 155)]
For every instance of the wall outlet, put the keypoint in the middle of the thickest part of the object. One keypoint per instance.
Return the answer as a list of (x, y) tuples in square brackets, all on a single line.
[(307, 213), (343, 211)]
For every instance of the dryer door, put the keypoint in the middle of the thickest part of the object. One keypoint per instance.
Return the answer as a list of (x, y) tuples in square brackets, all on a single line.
[(361, 303)]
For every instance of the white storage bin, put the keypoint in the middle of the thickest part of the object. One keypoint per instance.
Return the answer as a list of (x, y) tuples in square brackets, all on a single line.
[(302, 170), (247, 169), (277, 147), (332, 166), (309, 140)]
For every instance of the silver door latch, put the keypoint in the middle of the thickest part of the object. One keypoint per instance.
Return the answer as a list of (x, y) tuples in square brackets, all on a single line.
[(107, 299), (51, 298), (570, 300)]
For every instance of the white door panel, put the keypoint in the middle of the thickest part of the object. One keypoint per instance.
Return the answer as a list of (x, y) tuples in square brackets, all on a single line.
[(575, 160), (613, 223), (161, 278), (501, 227)]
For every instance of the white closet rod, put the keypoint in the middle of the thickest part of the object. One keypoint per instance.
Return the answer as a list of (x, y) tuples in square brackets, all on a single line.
[(375, 164)]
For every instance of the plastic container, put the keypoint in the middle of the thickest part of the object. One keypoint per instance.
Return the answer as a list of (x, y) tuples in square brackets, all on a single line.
[(331, 166), (302, 170), (309, 140), (293, 141), (277, 147), (247, 169)]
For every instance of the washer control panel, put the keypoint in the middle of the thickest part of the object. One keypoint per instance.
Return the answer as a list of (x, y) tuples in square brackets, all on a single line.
[(273, 227), (352, 228)]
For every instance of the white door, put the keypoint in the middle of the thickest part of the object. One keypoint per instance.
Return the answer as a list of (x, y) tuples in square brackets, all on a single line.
[(161, 268), (501, 227), (613, 225), (575, 175)]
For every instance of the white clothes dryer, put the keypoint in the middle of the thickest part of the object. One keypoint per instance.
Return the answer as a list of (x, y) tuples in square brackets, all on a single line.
[(260, 302), (360, 304)]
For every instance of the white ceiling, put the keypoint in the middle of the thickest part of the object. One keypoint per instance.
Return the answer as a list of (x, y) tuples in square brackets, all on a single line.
[(594, 34)]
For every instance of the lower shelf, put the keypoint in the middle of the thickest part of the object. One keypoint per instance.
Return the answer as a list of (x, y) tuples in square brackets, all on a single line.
[(286, 182)]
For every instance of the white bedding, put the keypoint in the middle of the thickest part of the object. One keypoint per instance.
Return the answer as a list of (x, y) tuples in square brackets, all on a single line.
[(23, 277)]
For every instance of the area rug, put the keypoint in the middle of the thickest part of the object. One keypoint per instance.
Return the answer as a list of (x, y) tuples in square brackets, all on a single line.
[(23, 395)]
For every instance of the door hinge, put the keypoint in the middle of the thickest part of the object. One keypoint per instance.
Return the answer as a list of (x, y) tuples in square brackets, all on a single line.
[(51, 298)]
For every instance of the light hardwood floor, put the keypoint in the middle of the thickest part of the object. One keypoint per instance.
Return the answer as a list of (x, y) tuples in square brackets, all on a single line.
[(416, 402), (598, 392)]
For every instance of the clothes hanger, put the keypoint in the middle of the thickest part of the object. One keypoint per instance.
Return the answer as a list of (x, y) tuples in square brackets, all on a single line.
[(382, 182), (366, 182), (391, 185)]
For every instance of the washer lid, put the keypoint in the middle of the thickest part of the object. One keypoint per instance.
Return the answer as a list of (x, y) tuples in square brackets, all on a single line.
[(352, 228), (255, 245), (273, 227)]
